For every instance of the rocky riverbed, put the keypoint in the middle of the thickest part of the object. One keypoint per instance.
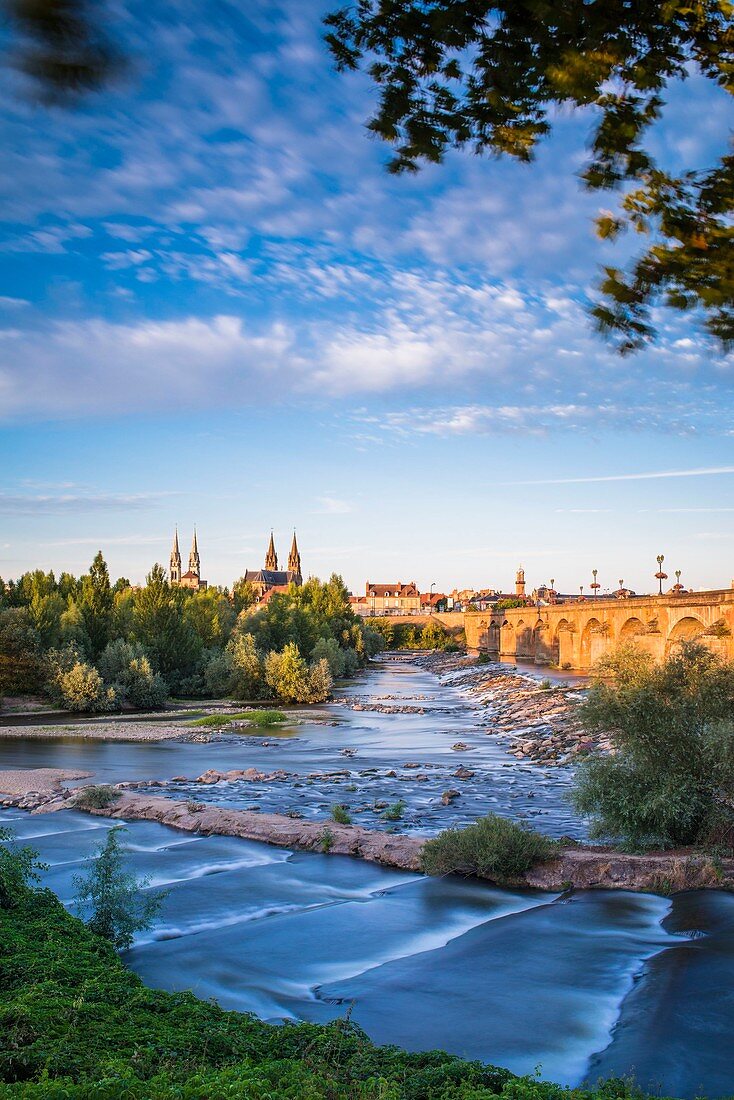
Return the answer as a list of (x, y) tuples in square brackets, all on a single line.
[(536, 718)]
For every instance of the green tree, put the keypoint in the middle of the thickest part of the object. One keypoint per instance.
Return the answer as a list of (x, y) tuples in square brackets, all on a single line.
[(320, 681), (159, 626), (247, 677), (287, 674), (491, 74), (96, 604), (243, 595), (670, 780), (115, 898), (21, 661), (125, 666), (81, 688)]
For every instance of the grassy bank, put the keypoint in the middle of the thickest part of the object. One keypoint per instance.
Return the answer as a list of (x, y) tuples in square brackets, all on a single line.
[(77, 1024)]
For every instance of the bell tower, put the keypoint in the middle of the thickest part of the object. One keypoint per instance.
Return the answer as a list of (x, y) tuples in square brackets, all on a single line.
[(294, 558), (174, 567), (520, 583), (271, 558)]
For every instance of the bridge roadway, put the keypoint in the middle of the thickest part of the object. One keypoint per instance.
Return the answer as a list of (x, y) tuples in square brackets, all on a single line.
[(577, 633)]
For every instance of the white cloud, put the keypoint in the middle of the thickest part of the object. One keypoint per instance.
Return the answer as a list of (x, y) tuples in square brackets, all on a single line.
[(332, 506)]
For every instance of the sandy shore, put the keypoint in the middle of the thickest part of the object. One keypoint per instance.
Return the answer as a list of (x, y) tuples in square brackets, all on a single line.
[(26, 781)]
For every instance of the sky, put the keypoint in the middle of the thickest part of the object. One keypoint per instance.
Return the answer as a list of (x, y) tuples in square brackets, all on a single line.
[(217, 308)]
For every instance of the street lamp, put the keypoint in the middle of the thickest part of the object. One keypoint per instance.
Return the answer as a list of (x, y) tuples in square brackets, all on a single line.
[(660, 576), (581, 590), (430, 595), (677, 587), (595, 586)]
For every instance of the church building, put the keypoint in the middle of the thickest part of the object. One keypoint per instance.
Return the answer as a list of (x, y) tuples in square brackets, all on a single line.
[(192, 577), (270, 578)]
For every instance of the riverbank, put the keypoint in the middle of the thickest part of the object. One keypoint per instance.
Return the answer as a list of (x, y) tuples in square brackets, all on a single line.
[(536, 718)]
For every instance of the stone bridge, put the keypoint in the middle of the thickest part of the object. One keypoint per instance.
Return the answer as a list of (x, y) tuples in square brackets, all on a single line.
[(577, 633)]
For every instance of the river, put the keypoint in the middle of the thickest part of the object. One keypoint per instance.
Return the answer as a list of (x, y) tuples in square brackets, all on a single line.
[(587, 986)]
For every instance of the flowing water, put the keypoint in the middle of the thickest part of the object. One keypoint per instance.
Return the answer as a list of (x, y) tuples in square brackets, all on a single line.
[(587, 986)]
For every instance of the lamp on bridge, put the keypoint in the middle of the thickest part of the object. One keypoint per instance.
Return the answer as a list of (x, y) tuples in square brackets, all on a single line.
[(621, 592), (660, 576), (595, 585), (581, 590), (678, 587)]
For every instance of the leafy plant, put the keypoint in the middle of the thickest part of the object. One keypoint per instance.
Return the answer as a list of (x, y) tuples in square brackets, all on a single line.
[(395, 811), (115, 898), (326, 840), (96, 797), (341, 814), (493, 847), (670, 779)]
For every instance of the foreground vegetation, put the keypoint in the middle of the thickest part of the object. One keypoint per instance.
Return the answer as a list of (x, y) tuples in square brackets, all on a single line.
[(397, 635), (670, 781), (90, 645), (77, 1025)]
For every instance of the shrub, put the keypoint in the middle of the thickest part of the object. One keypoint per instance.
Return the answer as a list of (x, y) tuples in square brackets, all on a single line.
[(493, 847), (96, 797), (669, 781), (253, 717), (341, 814), (395, 811), (248, 672), (326, 840), (115, 897), (328, 649), (545, 685)]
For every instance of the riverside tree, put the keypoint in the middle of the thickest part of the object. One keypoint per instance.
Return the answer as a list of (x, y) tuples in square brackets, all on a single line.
[(114, 898), (670, 781), (491, 74)]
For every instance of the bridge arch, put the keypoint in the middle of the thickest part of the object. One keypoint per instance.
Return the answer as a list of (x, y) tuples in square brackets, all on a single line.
[(631, 628), (561, 642), (523, 639), (686, 629), (592, 644), (507, 639)]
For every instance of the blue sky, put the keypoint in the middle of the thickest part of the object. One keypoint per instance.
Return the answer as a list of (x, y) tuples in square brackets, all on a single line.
[(217, 307)]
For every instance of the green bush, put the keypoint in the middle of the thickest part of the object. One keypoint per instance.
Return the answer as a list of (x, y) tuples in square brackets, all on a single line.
[(493, 847), (96, 797), (341, 815), (395, 811), (253, 717), (669, 782)]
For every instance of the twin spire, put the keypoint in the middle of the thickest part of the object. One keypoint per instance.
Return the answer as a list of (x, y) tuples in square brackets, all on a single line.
[(175, 562), (294, 558)]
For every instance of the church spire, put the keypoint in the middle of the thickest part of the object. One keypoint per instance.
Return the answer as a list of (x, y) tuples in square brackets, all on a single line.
[(194, 562), (271, 558), (294, 558), (175, 562)]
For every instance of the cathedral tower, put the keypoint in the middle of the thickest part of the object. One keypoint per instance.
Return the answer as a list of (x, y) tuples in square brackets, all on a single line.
[(520, 583), (174, 567), (294, 558), (271, 558), (194, 562)]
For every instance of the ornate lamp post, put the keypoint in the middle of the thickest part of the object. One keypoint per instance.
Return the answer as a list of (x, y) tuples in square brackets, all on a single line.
[(595, 586), (660, 576), (552, 593), (621, 591), (677, 587), (581, 590)]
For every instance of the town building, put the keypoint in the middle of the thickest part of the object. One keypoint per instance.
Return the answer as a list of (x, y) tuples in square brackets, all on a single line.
[(270, 578), (191, 579), (393, 598)]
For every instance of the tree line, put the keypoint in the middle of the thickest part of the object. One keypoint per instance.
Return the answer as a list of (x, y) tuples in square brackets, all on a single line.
[(89, 644)]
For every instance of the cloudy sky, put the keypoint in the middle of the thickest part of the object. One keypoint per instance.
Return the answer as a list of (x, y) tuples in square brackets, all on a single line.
[(216, 307)]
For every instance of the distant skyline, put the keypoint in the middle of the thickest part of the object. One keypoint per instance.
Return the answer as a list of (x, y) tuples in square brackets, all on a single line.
[(216, 307)]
